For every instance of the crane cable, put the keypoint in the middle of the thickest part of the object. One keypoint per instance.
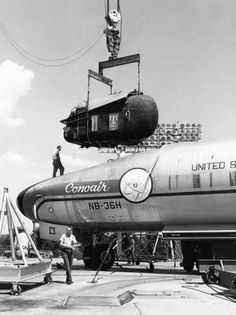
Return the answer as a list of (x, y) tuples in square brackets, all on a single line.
[(28, 55), (120, 20), (105, 6), (10, 38)]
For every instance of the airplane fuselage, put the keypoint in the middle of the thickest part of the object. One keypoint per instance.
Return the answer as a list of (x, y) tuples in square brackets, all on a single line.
[(191, 185)]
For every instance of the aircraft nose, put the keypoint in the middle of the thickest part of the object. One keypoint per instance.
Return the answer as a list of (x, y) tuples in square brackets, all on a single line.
[(20, 200)]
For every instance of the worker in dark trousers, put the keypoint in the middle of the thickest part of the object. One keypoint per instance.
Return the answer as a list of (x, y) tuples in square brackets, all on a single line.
[(131, 250), (67, 243), (56, 162)]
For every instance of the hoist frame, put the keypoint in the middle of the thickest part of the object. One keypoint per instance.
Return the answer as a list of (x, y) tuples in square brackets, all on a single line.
[(120, 62)]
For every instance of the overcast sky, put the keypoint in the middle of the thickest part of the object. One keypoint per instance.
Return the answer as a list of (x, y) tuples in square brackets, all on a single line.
[(187, 48)]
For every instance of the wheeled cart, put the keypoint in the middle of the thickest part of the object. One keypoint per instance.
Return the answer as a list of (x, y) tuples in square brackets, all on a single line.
[(16, 273), (19, 268)]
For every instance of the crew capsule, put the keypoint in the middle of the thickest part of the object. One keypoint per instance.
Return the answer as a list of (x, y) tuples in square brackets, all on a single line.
[(116, 119)]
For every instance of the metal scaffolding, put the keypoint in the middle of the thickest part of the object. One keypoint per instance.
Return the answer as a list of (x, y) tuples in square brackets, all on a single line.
[(19, 268)]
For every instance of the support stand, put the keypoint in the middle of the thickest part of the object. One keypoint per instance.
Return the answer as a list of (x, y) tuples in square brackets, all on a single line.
[(101, 265), (19, 270), (151, 264), (15, 221)]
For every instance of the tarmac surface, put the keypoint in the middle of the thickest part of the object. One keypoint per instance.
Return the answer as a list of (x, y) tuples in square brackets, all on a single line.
[(124, 289)]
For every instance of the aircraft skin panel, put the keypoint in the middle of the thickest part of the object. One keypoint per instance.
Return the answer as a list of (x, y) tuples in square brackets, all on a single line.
[(198, 209), (105, 210), (188, 209), (179, 184)]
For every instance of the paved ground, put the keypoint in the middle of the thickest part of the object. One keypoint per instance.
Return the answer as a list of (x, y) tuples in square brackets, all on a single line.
[(130, 290)]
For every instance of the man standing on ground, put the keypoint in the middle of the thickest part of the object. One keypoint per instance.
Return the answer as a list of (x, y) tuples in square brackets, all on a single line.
[(67, 243), (56, 162), (131, 250)]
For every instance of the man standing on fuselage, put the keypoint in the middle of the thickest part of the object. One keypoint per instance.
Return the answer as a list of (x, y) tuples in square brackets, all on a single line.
[(56, 162)]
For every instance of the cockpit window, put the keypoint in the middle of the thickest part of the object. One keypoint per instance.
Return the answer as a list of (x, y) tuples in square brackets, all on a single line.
[(196, 181), (232, 178)]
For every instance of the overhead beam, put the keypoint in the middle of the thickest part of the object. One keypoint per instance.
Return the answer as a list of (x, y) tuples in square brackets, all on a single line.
[(99, 77), (117, 62)]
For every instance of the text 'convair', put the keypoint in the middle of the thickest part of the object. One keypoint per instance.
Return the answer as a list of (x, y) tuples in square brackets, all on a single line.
[(93, 188)]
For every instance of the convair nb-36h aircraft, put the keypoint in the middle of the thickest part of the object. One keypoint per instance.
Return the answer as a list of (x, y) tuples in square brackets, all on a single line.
[(180, 187)]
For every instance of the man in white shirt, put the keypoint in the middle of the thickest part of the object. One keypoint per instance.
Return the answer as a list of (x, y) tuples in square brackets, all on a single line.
[(56, 162), (120, 151), (67, 243)]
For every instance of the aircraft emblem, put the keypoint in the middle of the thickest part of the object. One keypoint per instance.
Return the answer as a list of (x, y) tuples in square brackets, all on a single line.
[(136, 185)]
